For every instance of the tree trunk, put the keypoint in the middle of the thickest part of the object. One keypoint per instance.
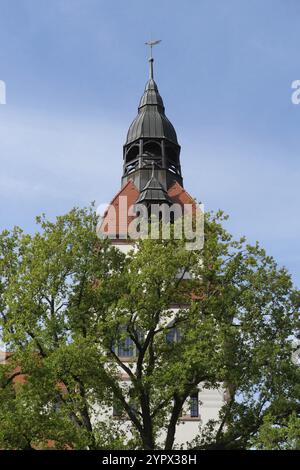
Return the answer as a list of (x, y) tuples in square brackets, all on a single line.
[(172, 423), (147, 433), (148, 443)]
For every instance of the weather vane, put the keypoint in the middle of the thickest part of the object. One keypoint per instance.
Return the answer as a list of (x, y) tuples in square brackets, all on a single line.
[(151, 44)]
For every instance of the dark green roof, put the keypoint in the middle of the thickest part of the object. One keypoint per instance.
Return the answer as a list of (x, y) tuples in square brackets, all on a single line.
[(151, 120), (153, 192)]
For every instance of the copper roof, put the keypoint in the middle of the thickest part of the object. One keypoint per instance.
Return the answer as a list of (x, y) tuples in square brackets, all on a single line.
[(151, 120)]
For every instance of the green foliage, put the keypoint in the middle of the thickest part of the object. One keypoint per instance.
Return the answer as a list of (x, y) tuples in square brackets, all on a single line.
[(279, 434), (67, 299)]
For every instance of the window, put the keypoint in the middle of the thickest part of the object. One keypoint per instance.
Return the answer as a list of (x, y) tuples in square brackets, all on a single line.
[(126, 347), (117, 408), (152, 148), (171, 154), (173, 335), (132, 153), (194, 404)]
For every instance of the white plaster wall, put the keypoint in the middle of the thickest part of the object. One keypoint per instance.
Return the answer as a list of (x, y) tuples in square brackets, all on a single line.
[(123, 247), (211, 400)]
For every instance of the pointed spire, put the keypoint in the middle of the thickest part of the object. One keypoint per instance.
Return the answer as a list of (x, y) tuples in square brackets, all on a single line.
[(151, 75), (151, 60), (151, 120)]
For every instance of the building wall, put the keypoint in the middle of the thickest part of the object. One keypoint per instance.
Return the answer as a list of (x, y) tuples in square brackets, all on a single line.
[(211, 400)]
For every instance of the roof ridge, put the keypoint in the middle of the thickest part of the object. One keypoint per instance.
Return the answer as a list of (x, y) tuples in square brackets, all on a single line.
[(183, 190)]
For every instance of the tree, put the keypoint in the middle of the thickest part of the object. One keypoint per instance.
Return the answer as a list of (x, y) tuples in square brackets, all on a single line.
[(281, 433), (54, 376), (68, 301)]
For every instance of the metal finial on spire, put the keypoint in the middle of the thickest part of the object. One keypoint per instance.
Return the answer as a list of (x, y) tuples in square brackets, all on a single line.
[(151, 44)]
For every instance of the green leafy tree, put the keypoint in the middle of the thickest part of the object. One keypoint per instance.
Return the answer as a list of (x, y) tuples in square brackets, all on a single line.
[(281, 433), (54, 377), (68, 301)]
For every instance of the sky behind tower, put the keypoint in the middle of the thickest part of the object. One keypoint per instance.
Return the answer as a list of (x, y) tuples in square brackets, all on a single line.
[(74, 73)]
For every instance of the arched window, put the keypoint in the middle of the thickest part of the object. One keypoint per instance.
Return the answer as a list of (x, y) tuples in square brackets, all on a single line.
[(172, 159), (171, 154), (132, 153), (152, 148)]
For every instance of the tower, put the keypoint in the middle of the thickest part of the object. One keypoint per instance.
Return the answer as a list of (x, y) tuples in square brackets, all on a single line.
[(151, 143), (151, 162), (152, 175)]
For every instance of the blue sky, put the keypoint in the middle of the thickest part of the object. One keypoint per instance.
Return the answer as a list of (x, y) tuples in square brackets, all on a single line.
[(75, 70)]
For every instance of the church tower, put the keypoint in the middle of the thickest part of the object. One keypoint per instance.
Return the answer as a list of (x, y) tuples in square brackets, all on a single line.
[(151, 160), (152, 175), (151, 140)]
